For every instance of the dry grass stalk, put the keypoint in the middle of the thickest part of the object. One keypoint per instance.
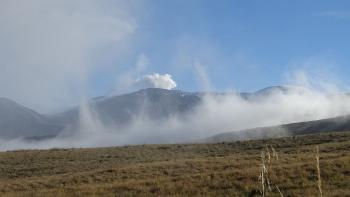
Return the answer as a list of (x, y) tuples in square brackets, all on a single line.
[(265, 182), (268, 153), (264, 172), (319, 183), (279, 191), (274, 153)]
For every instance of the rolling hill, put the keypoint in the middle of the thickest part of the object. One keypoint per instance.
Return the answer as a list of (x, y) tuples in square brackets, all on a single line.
[(337, 124)]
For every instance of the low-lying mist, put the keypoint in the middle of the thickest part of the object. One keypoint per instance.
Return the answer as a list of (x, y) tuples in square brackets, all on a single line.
[(216, 113)]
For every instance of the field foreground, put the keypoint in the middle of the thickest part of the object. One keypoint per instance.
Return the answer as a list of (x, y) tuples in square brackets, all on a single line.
[(223, 169)]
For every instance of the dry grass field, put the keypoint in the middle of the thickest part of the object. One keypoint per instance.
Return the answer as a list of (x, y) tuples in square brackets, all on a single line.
[(223, 169)]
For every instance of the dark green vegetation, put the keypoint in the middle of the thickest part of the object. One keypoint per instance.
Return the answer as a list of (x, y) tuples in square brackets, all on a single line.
[(223, 169)]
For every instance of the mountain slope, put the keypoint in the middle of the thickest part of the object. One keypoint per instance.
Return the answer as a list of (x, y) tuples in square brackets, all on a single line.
[(155, 104), (19, 121), (337, 124), (152, 103)]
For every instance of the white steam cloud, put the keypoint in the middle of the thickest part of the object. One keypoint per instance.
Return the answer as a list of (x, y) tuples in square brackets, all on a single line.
[(202, 76), (215, 114), (156, 81), (49, 48)]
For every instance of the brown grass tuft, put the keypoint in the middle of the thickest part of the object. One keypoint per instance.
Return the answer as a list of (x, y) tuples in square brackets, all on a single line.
[(319, 182)]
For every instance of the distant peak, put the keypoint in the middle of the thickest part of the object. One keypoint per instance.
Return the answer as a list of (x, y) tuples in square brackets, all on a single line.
[(7, 101), (280, 88), (277, 87)]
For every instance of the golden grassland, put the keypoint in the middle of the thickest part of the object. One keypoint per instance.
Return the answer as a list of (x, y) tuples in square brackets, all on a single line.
[(223, 169)]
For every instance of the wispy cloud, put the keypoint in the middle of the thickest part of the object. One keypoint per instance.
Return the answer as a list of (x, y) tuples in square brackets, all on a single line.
[(336, 14), (202, 76)]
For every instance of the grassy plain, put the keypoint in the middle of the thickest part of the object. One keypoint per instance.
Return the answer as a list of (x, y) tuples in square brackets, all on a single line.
[(222, 169)]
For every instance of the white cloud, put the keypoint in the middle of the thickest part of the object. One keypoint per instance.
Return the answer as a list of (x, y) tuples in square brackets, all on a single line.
[(156, 81), (49, 48)]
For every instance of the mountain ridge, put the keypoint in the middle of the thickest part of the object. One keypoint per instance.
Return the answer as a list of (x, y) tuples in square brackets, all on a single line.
[(19, 121)]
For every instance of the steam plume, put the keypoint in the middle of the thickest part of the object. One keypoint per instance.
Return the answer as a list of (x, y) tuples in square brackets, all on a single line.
[(156, 81)]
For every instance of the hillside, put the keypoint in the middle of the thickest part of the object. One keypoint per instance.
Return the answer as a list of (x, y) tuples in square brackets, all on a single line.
[(337, 124), (19, 121), (223, 169)]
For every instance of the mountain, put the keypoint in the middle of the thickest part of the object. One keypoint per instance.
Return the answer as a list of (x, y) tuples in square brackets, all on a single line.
[(337, 124), (153, 103), (19, 121), (272, 90)]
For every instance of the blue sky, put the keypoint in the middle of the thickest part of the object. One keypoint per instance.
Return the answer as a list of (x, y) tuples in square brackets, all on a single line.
[(243, 45)]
